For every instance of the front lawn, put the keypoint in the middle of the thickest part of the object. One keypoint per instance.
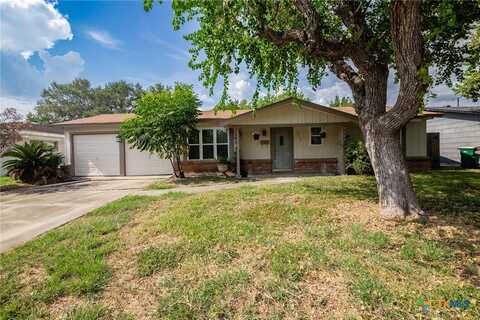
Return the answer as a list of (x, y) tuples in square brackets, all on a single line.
[(7, 183), (306, 250)]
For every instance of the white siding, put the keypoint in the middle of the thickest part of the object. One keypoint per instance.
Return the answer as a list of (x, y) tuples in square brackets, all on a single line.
[(251, 149), (331, 146), (416, 139), (287, 115), (455, 130)]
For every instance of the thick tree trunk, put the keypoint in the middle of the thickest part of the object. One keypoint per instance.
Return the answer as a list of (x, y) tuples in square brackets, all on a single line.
[(397, 199)]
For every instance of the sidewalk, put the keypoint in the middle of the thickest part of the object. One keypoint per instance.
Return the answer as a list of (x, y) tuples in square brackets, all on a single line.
[(220, 186)]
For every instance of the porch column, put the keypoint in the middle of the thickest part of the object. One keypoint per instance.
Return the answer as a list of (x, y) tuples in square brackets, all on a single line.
[(341, 160), (237, 151)]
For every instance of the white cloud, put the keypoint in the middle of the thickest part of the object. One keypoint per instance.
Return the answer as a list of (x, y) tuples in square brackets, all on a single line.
[(62, 68), (324, 96), (22, 81), (104, 38), (31, 25), (174, 51), (240, 87)]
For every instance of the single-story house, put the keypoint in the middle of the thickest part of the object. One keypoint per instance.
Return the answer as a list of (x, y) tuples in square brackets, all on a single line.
[(52, 135), (459, 127), (290, 135)]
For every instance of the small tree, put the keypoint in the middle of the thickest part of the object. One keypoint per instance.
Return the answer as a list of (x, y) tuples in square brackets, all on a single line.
[(341, 102), (10, 126), (163, 123)]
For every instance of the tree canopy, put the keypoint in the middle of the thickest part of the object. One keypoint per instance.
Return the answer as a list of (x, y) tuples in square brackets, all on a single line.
[(470, 86), (341, 102), (165, 118), (62, 102), (275, 40)]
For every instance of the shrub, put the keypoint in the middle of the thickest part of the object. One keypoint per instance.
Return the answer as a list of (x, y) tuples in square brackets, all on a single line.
[(32, 162), (357, 160)]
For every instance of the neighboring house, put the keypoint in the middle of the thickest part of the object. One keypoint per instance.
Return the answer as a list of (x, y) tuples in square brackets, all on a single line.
[(290, 135), (458, 127), (35, 132)]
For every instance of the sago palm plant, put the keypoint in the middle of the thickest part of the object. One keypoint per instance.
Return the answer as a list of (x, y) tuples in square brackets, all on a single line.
[(32, 161)]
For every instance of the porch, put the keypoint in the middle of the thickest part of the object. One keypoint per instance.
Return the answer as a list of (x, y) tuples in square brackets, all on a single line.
[(314, 148)]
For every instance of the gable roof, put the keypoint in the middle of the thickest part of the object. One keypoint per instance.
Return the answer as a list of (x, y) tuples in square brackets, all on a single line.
[(347, 112), (449, 109), (425, 114), (115, 118)]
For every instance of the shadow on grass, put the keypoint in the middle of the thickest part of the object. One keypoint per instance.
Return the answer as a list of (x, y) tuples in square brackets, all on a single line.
[(451, 198), (449, 194)]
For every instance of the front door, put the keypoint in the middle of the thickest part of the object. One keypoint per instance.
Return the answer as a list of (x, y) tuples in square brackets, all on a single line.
[(282, 149)]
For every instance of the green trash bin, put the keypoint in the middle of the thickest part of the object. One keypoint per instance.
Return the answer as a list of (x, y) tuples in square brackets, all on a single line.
[(468, 157)]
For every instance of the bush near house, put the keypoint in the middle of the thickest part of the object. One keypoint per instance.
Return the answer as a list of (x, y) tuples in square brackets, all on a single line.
[(33, 162), (357, 160)]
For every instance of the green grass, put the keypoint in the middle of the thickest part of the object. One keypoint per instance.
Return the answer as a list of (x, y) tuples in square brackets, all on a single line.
[(160, 185), (7, 183), (312, 249), (154, 259), (94, 312)]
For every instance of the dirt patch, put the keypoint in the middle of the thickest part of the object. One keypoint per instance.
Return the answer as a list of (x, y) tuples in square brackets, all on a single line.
[(63, 305)]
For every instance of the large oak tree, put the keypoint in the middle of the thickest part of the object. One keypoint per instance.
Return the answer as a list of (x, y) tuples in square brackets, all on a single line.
[(361, 42)]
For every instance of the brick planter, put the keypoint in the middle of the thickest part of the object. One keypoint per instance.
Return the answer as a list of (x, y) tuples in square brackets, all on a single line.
[(199, 166), (258, 166), (326, 165)]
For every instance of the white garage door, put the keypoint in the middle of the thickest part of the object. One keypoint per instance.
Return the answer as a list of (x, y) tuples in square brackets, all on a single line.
[(96, 155), (140, 163)]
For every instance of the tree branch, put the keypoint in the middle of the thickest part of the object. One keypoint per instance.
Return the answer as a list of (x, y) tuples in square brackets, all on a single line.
[(353, 16), (346, 73), (406, 30)]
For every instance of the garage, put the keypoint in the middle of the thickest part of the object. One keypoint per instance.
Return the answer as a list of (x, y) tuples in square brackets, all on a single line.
[(138, 163), (101, 155), (96, 155)]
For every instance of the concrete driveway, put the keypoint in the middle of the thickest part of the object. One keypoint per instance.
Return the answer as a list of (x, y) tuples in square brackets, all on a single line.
[(26, 214)]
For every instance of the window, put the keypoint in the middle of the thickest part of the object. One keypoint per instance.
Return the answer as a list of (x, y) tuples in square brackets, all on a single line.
[(194, 145), (316, 135), (208, 144), (222, 143)]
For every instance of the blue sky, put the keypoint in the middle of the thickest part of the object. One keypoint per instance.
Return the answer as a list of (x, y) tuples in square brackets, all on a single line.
[(106, 41)]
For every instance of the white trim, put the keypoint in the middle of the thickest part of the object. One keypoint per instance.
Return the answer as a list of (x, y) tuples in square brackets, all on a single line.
[(214, 144), (310, 135)]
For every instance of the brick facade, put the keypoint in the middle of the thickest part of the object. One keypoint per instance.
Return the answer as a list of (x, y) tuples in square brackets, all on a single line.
[(258, 166), (199, 166), (419, 164), (326, 165)]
